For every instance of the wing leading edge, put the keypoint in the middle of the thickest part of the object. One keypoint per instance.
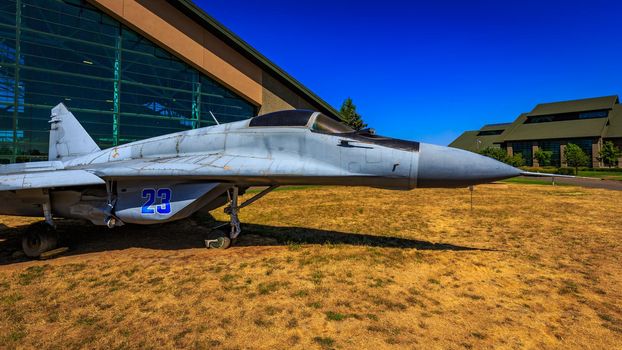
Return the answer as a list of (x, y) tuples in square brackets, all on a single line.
[(48, 179)]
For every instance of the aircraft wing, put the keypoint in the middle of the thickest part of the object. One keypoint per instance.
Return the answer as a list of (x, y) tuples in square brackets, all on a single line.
[(211, 167), (48, 179), (222, 168)]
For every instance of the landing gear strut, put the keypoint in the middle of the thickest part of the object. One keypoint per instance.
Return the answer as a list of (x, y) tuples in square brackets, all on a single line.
[(223, 242), (233, 210), (110, 220)]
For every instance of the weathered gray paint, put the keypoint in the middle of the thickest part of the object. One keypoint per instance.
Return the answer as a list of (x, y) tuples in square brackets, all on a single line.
[(248, 156), (200, 165), (187, 198), (451, 167), (46, 179), (67, 137)]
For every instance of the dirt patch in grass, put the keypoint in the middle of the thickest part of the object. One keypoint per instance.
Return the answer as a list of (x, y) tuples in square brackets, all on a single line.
[(321, 268)]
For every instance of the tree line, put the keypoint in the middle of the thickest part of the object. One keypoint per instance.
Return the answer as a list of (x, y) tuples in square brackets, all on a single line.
[(573, 155)]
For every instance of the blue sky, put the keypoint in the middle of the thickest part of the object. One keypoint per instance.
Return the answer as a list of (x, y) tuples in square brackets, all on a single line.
[(429, 70)]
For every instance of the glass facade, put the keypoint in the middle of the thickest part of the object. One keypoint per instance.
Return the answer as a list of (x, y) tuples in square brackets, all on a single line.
[(553, 147), (524, 149), (121, 86), (584, 144)]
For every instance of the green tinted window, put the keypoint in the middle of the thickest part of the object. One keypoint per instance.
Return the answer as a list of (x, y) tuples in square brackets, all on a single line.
[(553, 147), (525, 150), (121, 86), (584, 144)]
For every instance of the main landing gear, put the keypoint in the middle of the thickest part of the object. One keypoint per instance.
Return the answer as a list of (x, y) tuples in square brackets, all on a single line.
[(224, 241), (41, 238)]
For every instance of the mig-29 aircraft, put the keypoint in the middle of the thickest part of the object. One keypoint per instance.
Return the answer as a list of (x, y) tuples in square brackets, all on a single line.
[(170, 177)]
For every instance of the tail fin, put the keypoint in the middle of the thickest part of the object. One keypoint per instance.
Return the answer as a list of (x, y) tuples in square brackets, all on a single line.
[(67, 137)]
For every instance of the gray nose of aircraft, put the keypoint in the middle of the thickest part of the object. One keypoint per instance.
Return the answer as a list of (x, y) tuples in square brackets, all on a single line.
[(450, 167)]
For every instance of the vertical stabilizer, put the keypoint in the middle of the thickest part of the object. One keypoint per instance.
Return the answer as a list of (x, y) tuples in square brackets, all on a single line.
[(67, 137)]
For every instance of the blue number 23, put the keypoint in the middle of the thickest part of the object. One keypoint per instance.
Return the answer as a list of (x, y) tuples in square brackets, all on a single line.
[(163, 194)]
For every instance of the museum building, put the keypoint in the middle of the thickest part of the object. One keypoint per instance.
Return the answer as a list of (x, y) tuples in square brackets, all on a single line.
[(129, 70), (587, 123)]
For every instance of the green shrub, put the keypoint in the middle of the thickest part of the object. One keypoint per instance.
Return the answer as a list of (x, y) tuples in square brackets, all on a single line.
[(515, 160), (502, 155), (495, 153), (565, 171), (543, 157), (609, 170), (575, 157), (548, 169)]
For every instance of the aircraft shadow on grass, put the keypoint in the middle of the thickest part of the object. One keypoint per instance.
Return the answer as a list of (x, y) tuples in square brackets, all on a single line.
[(187, 234)]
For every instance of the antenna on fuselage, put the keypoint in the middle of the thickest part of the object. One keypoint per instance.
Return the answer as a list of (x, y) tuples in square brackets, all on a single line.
[(213, 116)]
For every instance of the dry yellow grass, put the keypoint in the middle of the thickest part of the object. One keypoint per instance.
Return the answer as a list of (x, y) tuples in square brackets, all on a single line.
[(530, 267)]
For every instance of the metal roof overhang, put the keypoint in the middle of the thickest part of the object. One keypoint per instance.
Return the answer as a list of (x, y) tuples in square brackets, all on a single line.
[(583, 105), (614, 129), (197, 14), (557, 130)]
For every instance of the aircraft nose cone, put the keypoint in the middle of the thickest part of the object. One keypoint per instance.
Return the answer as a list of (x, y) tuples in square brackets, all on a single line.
[(451, 167)]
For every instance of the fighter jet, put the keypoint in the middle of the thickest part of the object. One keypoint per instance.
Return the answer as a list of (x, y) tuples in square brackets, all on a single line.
[(170, 177)]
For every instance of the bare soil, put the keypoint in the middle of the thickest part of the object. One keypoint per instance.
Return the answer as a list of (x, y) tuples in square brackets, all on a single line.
[(529, 266)]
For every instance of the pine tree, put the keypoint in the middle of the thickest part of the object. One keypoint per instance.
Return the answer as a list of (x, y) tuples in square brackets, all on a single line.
[(609, 154), (350, 116)]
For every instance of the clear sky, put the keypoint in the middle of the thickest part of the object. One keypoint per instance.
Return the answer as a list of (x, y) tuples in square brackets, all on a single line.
[(429, 70)]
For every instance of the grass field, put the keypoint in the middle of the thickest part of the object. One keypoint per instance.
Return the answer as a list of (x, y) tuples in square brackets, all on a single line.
[(532, 181), (607, 175), (529, 267)]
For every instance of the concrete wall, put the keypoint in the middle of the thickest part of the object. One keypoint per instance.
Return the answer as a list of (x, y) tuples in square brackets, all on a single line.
[(596, 147), (162, 23), (562, 151), (534, 149)]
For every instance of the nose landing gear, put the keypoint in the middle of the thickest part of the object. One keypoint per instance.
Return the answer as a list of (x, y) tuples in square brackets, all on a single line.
[(222, 241)]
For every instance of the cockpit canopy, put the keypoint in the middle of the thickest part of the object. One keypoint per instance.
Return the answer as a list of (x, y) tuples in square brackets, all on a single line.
[(320, 123), (328, 125), (315, 121), (296, 117)]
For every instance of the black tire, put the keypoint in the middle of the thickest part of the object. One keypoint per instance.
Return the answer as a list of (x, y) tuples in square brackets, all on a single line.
[(221, 242), (38, 241)]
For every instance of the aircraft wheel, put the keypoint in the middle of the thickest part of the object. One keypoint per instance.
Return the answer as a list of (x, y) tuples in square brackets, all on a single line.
[(38, 241), (222, 242)]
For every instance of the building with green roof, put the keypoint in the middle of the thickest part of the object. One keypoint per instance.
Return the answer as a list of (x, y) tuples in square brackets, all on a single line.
[(587, 123)]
